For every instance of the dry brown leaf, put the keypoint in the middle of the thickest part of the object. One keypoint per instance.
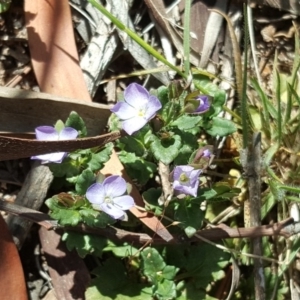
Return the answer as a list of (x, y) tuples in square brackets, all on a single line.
[(12, 283), (52, 47), (54, 56)]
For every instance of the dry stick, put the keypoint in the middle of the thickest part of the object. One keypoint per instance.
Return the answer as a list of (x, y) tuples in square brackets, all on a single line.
[(32, 194), (17, 79), (251, 164), (285, 228), (254, 185), (164, 173)]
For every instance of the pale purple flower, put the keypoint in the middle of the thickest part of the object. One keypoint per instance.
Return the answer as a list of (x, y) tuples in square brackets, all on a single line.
[(49, 133), (109, 197), (137, 109), (206, 153), (186, 180), (203, 104)]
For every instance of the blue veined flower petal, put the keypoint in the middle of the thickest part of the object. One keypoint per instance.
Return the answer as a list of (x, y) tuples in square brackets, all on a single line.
[(49, 133), (110, 196), (137, 109), (186, 180)]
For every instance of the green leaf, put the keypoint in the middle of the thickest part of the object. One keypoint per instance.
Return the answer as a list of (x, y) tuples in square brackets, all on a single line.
[(95, 218), (136, 291), (190, 217), (84, 180), (137, 168), (76, 211), (190, 292), (98, 159), (221, 127), (206, 86), (205, 194), (189, 144), (84, 244), (205, 263), (91, 217), (167, 149), (111, 269), (186, 122), (122, 251), (111, 282), (162, 93), (151, 197), (176, 255), (153, 264), (159, 273), (273, 282), (114, 123), (64, 215), (170, 112), (66, 168), (131, 144), (59, 125), (165, 290), (76, 122), (4, 5)]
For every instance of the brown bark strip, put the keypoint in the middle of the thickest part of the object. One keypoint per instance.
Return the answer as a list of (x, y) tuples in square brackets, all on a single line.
[(14, 148)]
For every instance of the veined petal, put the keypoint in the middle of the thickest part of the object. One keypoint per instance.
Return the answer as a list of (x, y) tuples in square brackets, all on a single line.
[(194, 176), (96, 193), (203, 104), (136, 95), (113, 211), (124, 111), (124, 202), (68, 133), (114, 186), (46, 133), (152, 107), (56, 157), (181, 169), (134, 124), (185, 189)]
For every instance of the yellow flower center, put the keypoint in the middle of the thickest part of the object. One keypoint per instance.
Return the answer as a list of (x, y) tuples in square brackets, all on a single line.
[(108, 200), (183, 178), (141, 112)]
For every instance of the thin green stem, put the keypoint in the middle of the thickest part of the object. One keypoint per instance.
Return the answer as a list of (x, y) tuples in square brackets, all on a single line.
[(136, 38), (244, 89), (186, 37)]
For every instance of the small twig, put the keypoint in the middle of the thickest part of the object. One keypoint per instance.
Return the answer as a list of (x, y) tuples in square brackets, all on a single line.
[(30, 214), (31, 195), (16, 79), (164, 173), (252, 42), (254, 185), (285, 228), (83, 12)]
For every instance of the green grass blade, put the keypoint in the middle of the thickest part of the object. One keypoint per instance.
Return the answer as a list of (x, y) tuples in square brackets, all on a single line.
[(288, 109), (264, 101), (279, 114), (186, 37), (136, 38), (244, 112)]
